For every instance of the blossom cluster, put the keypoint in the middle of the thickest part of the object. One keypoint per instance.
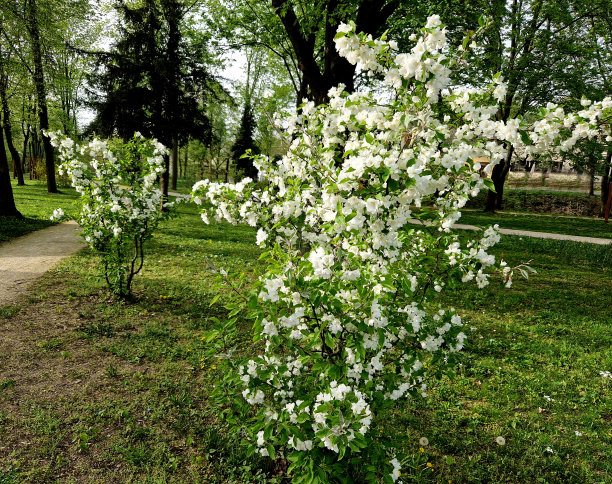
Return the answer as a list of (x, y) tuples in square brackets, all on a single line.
[(120, 201), (356, 220)]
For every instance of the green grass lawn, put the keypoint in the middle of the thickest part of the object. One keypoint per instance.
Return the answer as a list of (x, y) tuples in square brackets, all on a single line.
[(36, 205), (93, 390), (556, 224)]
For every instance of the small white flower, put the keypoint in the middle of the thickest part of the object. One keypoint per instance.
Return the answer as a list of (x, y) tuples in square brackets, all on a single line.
[(500, 440), (58, 213), (424, 441), (549, 450), (578, 433), (550, 399)]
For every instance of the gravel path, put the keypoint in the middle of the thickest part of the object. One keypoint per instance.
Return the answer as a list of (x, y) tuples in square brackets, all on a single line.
[(544, 235), (24, 259), (537, 235)]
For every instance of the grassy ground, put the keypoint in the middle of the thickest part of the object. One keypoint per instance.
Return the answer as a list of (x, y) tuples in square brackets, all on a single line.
[(544, 202), (97, 391), (587, 227), (36, 205)]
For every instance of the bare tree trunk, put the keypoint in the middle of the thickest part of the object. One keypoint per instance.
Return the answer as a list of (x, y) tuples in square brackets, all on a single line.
[(592, 182), (24, 152), (165, 178), (605, 181), (316, 80), (495, 199), (174, 164), (7, 201), (186, 159), (6, 117), (41, 94)]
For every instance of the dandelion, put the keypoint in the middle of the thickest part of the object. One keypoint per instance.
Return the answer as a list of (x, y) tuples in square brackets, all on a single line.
[(430, 465), (500, 440), (421, 449), (424, 441)]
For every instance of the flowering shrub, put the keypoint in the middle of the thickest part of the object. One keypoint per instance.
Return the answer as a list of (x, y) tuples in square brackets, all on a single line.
[(356, 225), (120, 203)]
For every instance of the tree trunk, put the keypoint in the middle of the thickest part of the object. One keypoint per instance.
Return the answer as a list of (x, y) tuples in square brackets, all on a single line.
[(24, 152), (7, 201), (371, 16), (605, 181), (41, 94), (6, 117), (165, 178), (186, 159), (174, 164), (592, 182), (495, 198)]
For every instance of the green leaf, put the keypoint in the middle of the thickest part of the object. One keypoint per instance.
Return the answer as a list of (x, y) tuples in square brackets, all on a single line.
[(271, 451), (525, 137)]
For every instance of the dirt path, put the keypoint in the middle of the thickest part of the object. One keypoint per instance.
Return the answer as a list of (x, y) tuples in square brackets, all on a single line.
[(25, 259)]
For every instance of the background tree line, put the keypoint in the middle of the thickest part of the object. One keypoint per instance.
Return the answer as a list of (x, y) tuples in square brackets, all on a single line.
[(158, 70)]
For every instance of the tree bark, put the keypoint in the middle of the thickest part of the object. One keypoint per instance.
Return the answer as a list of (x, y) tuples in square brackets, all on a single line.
[(174, 164), (495, 199), (24, 152), (6, 122), (186, 159), (165, 179), (41, 94), (605, 181), (316, 82), (7, 201)]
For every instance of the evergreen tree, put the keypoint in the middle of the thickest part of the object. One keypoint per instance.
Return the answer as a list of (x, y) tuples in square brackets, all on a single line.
[(152, 81), (244, 141)]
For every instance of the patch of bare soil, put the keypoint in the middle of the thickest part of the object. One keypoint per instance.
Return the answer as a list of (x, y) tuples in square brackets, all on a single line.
[(70, 409), (49, 374), (45, 368)]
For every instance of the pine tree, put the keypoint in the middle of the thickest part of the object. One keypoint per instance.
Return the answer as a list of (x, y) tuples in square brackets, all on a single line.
[(244, 141)]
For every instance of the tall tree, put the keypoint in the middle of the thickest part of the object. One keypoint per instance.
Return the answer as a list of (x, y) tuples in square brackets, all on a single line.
[(534, 44), (153, 81), (7, 202), (41, 91), (302, 35), (6, 111), (244, 141)]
